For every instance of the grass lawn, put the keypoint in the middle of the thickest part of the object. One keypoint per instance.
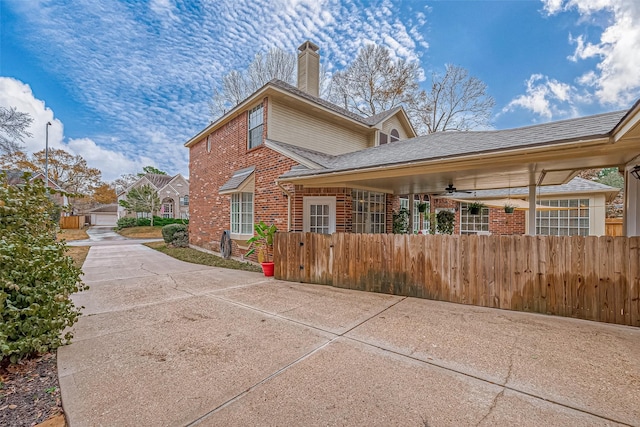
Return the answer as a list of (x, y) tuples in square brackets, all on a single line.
[(142, 232), (197, 257), (70, 235), (78, 253)]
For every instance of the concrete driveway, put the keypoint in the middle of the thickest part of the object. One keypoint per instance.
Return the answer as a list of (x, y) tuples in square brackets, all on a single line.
[(102, 235), (163, 342)]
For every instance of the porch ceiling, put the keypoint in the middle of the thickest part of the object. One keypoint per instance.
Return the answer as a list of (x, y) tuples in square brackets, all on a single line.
[(552, 164)]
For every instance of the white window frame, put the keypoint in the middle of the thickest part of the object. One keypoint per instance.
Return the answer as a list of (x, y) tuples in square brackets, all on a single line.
[(255, 121), (404, 203), (366, 200), (184, 200), (241, 221), (319, 200), (474, 224), (571, 221)]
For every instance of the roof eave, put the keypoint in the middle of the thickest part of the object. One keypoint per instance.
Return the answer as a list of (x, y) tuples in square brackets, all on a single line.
[(466, 156)]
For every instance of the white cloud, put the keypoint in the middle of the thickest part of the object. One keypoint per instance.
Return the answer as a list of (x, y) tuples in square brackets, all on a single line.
[(14, 93), (548, 98), (616, 80)]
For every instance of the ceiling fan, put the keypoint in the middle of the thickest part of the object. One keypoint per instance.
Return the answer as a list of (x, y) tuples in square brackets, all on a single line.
[(450, 189)]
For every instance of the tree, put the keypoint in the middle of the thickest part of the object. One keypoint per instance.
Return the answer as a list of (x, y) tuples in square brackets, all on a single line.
[(236, 86), (454, 101), (104, 194), (374, 82), (37, 278), (125, 181), (142, 199), (611, 177), (13, 129), (151, 169), (70, 172)]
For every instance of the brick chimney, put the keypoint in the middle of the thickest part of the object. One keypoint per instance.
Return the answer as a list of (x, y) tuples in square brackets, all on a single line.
[(309, 68)]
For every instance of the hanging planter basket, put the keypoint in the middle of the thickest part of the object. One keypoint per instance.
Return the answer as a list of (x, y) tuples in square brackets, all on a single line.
[(509, 209)]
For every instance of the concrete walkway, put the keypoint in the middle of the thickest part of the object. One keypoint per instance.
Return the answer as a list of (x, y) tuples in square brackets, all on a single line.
[(105, 236), (167, 343)]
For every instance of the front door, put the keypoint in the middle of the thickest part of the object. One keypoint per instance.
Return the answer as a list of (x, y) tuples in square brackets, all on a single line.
[(319, 215)]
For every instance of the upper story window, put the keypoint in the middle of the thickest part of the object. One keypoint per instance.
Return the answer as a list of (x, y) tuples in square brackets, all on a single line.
[(209, 139), (184, 201), (383, 138), (394, 135), (256, 123)]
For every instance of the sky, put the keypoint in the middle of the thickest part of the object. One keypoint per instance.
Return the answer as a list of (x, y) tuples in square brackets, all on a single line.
[(125, 83)]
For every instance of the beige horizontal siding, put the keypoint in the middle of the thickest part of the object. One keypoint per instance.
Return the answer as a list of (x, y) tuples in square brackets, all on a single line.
[(394, 123), (305, 130)]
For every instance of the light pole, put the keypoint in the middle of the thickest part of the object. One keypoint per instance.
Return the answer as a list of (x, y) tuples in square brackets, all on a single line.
[(46, 157)]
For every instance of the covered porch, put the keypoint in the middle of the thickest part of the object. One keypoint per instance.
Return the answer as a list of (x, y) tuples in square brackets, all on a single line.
[(540, 155)]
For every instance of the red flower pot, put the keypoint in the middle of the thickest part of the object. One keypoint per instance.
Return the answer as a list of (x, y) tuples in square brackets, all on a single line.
[(267, 268)]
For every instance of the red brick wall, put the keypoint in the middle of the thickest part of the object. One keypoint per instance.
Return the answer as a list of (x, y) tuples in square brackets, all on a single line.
[(343, 206), (499, 221), (210, 212)]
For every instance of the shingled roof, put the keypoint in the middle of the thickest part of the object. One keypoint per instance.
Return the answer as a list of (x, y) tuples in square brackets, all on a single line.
[(158, 180), (442, 145)]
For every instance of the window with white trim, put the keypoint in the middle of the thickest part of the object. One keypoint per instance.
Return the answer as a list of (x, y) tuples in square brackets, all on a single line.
[(368, 212), (570, 218), (209, 139), (319, 214), (242, 213), (473, 224), (256, 124), (394, 135), (184, 201), (404, 203)]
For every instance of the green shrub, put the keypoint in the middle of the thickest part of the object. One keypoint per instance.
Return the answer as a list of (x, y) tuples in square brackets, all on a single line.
[(180, 239), (36, 277), (401, 221), (169, 232), (445, 221), (143, 222), (160, 222), (126, 222)]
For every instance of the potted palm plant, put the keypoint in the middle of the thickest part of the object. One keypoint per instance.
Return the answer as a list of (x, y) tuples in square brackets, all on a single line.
[(263, 242), (475, 207)]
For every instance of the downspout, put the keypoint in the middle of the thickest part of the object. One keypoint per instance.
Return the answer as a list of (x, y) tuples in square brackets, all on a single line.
[(288, 205)]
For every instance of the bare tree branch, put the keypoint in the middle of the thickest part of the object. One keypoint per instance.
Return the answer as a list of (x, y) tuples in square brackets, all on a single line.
[(13, 129), (236, 86), (454, 101), (374, 82)]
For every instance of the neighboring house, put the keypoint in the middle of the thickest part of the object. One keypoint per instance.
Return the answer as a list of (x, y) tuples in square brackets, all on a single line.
[(173, 192), (103, 215), (58, 195), (285, 156)]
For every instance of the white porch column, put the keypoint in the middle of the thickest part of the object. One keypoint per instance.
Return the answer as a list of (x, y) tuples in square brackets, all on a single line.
[(631, 205), (412, 197), (532, 210)]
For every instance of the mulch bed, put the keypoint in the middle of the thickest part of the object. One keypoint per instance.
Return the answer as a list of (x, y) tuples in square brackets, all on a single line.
[(29, 392)]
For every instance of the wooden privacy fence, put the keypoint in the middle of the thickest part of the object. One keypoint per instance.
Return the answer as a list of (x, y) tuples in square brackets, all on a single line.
[(613, 227), (71, 222), (593, 278)]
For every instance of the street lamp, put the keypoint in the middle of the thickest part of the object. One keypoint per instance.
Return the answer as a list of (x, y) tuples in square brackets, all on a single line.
[(46, 157)]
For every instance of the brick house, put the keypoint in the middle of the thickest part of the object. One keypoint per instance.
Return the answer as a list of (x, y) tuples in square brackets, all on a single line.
[(173, 192), (287, 157)]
